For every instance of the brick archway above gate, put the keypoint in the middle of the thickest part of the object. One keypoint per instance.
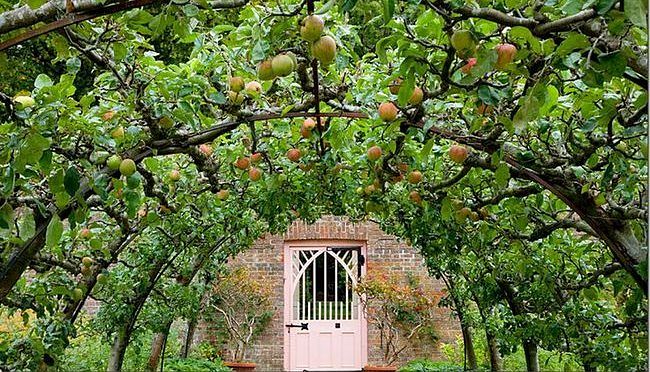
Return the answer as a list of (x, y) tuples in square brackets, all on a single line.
[(328, 228)]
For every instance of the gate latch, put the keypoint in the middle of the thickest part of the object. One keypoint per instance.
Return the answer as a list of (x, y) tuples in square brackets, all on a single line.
[(302, 326)]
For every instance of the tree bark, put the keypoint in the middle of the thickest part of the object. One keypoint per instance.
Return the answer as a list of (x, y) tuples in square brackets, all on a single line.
[(120, 342), (468, 344), (189, 337), (496, 364), (530, 351), (159, 340)]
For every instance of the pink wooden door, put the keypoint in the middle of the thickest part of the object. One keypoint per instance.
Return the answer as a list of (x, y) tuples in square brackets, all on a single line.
[(324, 325)]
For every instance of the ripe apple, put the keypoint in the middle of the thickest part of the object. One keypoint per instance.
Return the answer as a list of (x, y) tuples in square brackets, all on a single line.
[(458, 153), (294, 155), (85, 233), (108, 115), (309, 123), (236, 83), (464, 42), (118, 133), (25, 101), (374, 153), (324, 50), (282, 65), (469, 65), (505, 54), (256, 157), (223, 194), (205, 149), (174, 175), (127, 167), (311, 28), (416, 96), (415, 197), (253, 87), (387, 111), (113, 162), (87, 261), (255, 174), (414, 177), (242, 163), (395, 85), (265, 70), (304, 131)]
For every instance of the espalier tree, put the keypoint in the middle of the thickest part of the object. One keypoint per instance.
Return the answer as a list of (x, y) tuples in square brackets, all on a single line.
[(145, 142)]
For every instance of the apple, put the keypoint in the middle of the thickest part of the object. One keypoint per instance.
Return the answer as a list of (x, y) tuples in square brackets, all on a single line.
[(206, 149), (102, 278), (235, 98), (118, 133), (324, 50), (242, 163), (265, 70), (87, 261), (253, 88), (309, 123), (85, 233), (469, 65), (458, 153), (113, 162), (25, 101), (108, 115), (165, 122), (305, 132), (256, 157), (374, 153), (142, 212), (416, 96), (127, 167), (85, 271), (463, 213), (395, 85), (223, 194), (282, 65), (236, 83), (464, 42), (294, 155), (505, 54), (414, 177), (415, 197), (387, 111), (311, 28), (174, 175), (294, 59), (77, 294), (255, 174)]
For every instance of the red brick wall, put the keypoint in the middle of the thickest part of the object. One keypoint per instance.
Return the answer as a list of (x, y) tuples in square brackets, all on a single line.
[(265, 260)]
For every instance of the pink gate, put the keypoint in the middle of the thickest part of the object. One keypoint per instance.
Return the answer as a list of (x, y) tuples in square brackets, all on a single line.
[(324, 326)]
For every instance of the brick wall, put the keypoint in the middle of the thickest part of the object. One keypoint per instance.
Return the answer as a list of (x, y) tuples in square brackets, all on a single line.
[(265, 260)]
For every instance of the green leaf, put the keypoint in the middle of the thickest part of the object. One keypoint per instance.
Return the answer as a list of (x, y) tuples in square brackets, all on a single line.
[(502, 175), (347, 5), (35, 3), (42, 81), (71, 181), (389, 10), (406, 90), (572, 42), (637, 12), (54, 231), (613, 63), (31, 150), (6, 216), (603, 6)]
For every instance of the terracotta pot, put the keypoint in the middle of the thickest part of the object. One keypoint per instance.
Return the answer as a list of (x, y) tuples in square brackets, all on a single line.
[(379, 369), (240, 366)]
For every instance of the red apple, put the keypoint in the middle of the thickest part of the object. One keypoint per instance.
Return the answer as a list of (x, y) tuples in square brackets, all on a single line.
[(242, 163), (468, 66), (293, 155), (374, 153), (458, 153), (505, 54)]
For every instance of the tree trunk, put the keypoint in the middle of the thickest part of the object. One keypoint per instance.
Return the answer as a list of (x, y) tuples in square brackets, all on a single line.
[(157, 348), (496, 364), (530, 351), (468, 345), (116, 357), (189, 337)]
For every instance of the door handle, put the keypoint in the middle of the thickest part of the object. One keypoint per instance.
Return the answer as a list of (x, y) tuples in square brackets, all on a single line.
[(302, 326)]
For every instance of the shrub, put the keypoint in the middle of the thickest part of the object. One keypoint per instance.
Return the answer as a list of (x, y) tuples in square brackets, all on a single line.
[(426, 365), (194, 365)]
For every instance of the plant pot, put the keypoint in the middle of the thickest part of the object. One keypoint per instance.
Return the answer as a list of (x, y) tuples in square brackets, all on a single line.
[(240, 366), (379, 369)]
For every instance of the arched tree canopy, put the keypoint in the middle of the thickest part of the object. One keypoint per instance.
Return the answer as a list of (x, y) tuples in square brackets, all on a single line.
[(506, 140)]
